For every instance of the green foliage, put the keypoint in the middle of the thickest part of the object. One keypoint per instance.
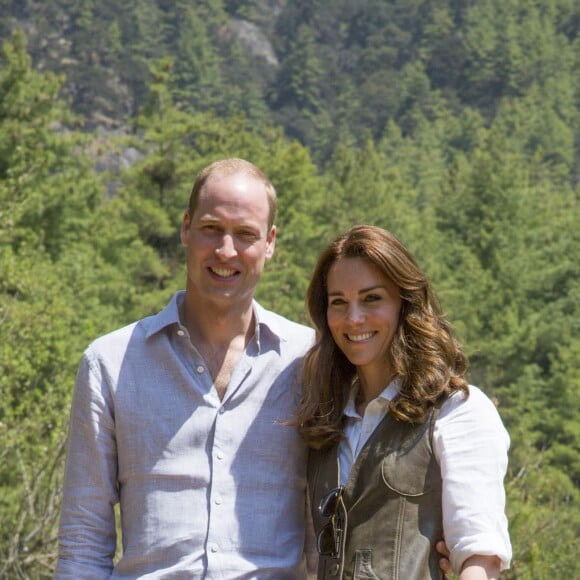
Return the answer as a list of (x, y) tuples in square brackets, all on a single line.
[(542, 512), (197, 61), (53, 301)]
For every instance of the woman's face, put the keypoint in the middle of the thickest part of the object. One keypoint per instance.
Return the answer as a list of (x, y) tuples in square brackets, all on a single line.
[(363, 314)]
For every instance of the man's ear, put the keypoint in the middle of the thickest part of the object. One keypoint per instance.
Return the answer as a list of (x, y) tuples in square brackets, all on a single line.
[(185, 228), (271, 243)]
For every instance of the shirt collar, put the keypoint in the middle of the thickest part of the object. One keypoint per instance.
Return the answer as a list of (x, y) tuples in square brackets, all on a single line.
[(269, 325), (167, 317), (269, 321), (387, 395)]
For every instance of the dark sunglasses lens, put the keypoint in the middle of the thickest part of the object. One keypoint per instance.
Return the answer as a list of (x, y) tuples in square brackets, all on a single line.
[(326, 541), (329, 503)]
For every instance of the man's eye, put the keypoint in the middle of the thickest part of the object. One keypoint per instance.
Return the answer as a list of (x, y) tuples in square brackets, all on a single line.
[(247, 235)]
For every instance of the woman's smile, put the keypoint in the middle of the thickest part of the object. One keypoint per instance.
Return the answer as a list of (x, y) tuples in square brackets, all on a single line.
[(360, 337)]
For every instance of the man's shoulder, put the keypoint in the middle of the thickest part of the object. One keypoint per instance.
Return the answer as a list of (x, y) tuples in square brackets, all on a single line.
[(119, 338), (285, 328)]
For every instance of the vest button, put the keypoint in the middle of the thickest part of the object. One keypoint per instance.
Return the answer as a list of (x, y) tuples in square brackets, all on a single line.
[(334, 570)]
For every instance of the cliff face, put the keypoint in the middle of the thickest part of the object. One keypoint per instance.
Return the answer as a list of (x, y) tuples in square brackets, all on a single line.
[(254, 40)]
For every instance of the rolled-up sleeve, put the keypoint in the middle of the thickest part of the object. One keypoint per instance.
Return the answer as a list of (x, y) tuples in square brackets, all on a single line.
[(87, 536), (471, 445)]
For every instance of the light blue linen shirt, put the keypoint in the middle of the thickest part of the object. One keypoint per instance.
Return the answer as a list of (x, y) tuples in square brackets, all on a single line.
[(208, 489)]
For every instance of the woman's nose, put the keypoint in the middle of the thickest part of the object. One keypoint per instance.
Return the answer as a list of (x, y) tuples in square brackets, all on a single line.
[(355, 313)]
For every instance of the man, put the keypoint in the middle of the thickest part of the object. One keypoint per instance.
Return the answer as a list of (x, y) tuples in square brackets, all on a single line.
[(180, 416)]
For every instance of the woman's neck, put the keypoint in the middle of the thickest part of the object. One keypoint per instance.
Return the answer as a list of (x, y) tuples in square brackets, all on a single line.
[(373, 383)]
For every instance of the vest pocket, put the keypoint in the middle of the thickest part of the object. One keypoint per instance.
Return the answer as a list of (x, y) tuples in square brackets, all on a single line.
[(406, 469), (402, 477), (363, 567)]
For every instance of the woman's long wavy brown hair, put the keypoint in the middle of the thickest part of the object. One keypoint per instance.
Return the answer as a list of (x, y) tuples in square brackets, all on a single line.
[(424, 352)]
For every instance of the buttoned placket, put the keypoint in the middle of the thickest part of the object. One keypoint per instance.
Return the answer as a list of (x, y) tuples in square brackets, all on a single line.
[(220, 490), (217, 491), (218, 460)]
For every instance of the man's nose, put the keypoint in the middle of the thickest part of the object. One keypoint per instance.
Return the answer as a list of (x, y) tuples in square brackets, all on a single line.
[(227, 247)]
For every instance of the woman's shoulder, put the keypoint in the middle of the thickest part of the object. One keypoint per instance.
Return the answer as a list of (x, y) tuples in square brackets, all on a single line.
[(469, 418), (474, 404)]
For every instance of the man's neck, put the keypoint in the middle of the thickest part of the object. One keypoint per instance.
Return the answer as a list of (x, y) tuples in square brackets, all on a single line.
[(220, 336), (215, 324)]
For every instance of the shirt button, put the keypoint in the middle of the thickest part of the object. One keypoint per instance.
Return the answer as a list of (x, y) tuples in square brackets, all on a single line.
[(219, 455), (200, 369), (222, 410), (214, 548), (334, 570), (218, 501), (180, 333)]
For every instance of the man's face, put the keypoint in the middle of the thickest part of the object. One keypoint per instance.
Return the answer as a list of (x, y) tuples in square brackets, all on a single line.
[(228, 241)]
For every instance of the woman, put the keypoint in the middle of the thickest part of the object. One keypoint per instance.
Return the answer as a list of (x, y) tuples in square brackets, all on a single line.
[(403, 451)]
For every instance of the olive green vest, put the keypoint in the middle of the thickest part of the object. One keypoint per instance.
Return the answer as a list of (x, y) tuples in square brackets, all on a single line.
[(393, 503)]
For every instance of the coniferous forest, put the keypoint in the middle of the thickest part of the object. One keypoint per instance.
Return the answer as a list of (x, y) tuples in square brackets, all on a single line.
[(453, 123)]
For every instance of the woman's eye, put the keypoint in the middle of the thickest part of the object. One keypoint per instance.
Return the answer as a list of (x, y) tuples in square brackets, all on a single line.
[(372, 298), (337, 302)]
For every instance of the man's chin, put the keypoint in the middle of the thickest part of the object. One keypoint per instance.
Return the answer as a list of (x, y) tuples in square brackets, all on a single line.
[(228, 298)]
